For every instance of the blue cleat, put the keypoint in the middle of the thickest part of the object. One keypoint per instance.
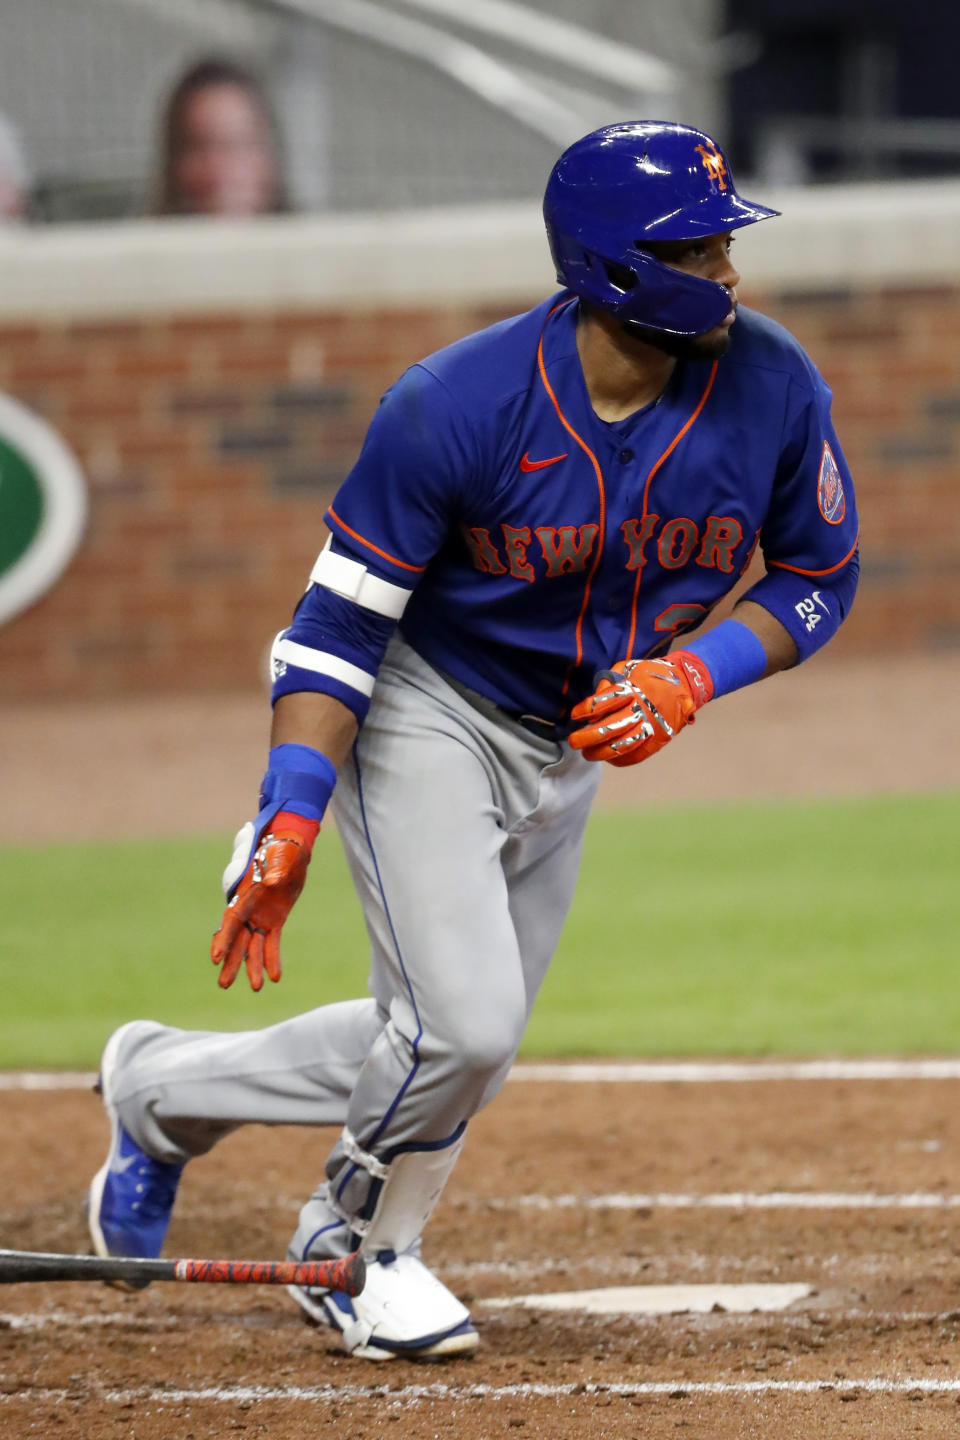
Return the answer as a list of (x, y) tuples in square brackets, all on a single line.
[(131, 1196)]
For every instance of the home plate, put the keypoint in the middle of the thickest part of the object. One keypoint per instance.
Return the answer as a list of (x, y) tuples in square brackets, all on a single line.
[(664, 1299)]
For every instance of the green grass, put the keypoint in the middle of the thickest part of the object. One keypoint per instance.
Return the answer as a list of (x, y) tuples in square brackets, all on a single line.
[(800, 928), (792, 928)]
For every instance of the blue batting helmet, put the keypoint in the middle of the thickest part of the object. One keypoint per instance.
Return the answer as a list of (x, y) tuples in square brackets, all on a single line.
[(621, 187)]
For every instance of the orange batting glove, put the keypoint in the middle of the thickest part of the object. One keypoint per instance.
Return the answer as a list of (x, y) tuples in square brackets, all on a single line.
[(250, 930), (639, 706)]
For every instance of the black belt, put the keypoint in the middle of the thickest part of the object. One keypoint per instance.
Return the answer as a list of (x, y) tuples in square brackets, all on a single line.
[(556, 730), (544, 729)]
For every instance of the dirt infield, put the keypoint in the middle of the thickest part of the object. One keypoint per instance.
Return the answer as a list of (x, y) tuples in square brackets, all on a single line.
[(873, 1353), (862, 1356), (175, 766)]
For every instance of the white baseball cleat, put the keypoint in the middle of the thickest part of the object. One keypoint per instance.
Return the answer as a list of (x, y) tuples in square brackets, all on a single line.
[(404, 1312)]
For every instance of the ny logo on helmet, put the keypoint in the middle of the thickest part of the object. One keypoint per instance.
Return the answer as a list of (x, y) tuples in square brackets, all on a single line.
[(712, 162)]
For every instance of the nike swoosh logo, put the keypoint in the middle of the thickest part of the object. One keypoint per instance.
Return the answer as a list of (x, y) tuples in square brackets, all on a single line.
[(526, 464), (123, 1165)]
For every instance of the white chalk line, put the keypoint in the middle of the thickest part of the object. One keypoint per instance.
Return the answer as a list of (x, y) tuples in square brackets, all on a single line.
[(413, 1394), (47, 1080), (663, 1265), (729, 1200), (701, 1072), (43, 1319), (30, 1320), (654, 1072)]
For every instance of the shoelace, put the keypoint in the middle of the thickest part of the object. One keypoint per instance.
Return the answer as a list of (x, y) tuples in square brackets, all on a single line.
[(157, 1195)]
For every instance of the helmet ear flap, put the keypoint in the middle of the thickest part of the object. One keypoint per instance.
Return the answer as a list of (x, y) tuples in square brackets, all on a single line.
[(621, 277), (648, 291)]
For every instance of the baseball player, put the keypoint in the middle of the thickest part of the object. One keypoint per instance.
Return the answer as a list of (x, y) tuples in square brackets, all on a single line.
[(539, 513)]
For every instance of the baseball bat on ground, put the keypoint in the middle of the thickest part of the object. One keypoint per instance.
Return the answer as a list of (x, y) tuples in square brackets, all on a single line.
[(347, 1274)]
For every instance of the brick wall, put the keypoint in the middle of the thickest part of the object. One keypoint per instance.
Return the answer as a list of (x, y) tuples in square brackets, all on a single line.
[(212, 445)]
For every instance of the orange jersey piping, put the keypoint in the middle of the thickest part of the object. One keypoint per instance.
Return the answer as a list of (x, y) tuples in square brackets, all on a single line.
[(646, 495), (782, 565), (601, 537), (384, 554)]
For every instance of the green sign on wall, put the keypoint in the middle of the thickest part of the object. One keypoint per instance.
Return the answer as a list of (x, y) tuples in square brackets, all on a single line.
[(43, 507)]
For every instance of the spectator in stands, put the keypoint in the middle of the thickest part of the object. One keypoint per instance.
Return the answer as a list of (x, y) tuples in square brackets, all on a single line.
[(219, 151), (14, 177)]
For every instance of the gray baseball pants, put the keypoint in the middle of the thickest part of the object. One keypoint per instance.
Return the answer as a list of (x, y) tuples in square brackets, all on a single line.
[(463, 833)]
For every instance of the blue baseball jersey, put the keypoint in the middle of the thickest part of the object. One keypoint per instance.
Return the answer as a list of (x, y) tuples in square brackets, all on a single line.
[(523, 544)]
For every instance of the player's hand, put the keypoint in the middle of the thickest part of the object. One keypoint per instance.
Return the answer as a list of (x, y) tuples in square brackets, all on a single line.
[(250, 930), (639, 706)]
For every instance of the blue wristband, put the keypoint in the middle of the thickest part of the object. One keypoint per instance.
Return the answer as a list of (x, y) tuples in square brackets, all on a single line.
[(298, 778), (732, 653)]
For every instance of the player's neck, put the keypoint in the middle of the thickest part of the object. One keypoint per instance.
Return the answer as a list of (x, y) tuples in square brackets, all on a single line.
[(622, 373)]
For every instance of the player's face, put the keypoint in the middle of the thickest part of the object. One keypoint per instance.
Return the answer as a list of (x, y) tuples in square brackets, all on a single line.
[(225, 164), (709, 258)]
